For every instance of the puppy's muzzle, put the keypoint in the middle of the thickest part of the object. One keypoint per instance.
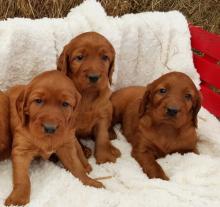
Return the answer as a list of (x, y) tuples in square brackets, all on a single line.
[(93, 78), (172, 111), (49, 128)]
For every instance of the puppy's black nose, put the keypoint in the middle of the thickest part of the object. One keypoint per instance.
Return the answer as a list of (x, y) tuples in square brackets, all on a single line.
[(172, 111), (93, 78), (49, 128)]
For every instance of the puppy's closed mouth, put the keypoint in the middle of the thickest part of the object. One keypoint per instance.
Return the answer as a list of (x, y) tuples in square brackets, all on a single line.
[(168, 120)]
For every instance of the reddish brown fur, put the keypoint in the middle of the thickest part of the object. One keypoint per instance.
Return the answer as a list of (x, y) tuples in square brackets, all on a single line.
[(5, 138), (92, 54), (30, 140), (146, 124)]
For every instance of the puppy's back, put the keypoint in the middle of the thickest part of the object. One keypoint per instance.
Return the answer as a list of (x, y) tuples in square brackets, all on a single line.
[(122, 98), (5, 138)]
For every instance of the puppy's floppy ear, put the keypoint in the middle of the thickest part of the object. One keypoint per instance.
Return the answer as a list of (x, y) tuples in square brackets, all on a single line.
[(110, 71), (75, 109), (63, 64), (78, 99), (21, 103), (145, 101), (196, 107), (111, 67)]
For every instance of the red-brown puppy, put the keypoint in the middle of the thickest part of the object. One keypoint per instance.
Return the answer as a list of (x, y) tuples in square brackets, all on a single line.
[(43, 117), (159, 119), (5, 138), (88, 60)]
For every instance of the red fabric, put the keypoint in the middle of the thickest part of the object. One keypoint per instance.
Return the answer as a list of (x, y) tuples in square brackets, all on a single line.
[(209, 72), (205, 42), (211, 100), (207, 65)]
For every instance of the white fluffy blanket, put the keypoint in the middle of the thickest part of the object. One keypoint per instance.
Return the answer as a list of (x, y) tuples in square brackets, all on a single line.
[(147, 45)]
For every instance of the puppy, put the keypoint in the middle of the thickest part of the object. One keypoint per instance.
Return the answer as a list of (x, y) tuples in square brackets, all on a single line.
[(88, 60), (5, 138), (43, 117), (158, 120)]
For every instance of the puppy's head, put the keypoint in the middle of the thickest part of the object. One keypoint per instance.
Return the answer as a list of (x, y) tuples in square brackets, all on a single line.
[(172, 99), (47, 106), (89, 61)]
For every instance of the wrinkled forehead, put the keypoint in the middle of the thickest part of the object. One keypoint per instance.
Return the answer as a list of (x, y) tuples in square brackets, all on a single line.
[(55, 85), (91, 41), (175, 82), (49, 93)]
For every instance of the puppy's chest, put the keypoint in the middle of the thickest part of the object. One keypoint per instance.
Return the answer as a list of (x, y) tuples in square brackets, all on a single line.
[(45, 154), (46, 149), (87, 118), (168, 142)]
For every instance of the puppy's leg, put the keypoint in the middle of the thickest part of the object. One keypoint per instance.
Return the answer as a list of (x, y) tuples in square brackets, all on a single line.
[(149, 165), (104, 150), (5, 138), (68, 155), (87, 151), (112, 134), (82, 157), (4, 152), (5, 142), (21, 183)]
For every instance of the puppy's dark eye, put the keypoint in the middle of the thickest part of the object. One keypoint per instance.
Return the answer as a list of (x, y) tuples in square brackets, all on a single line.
[(79, 57), (65, 104), (163, 90), (104, 57), (38, 101), (188, 96)]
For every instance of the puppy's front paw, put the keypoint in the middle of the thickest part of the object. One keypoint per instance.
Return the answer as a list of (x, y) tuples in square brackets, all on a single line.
[(16, 199), (156, 173), (92, 182), (96, 184), (163, 177), (107, 154)]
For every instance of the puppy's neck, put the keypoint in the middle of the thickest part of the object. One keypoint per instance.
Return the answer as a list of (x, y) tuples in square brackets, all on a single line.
[(90, 95), (95, 96), (166, 130)]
